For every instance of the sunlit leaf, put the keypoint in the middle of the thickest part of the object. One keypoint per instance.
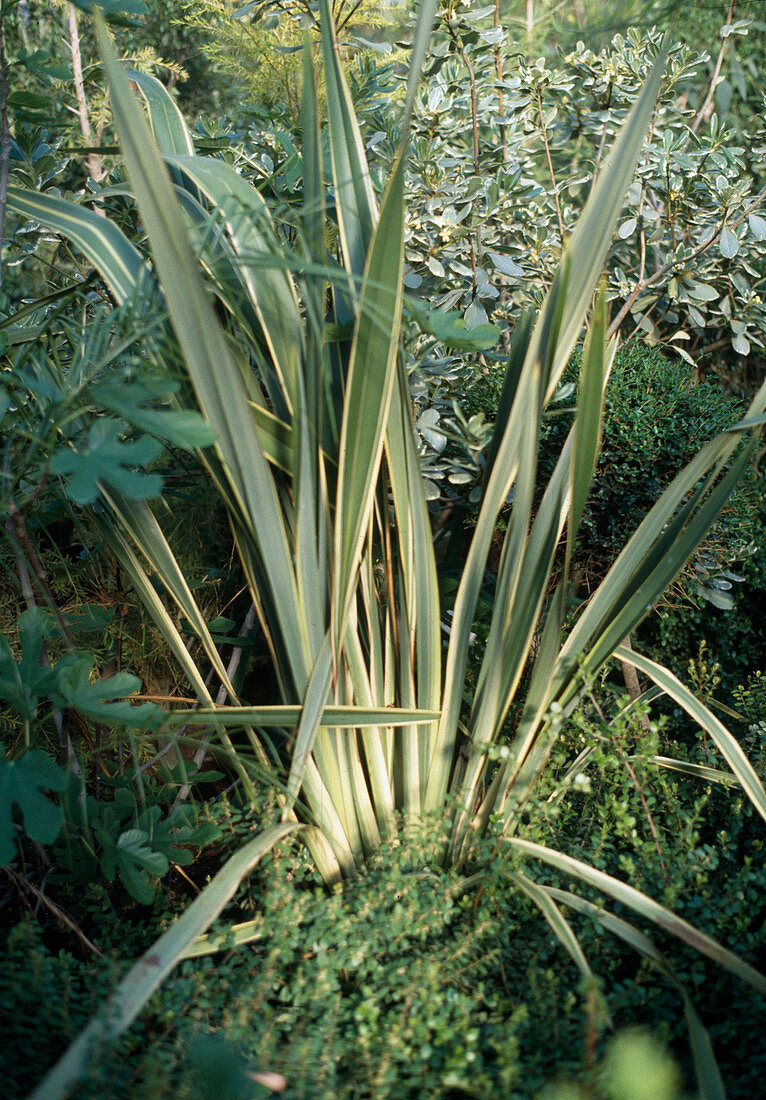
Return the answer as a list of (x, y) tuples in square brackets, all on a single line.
[(728, 243), (96, 698)]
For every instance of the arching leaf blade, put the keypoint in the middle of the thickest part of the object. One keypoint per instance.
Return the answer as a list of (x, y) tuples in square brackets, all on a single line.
[(99, 239), (645, 906), (722, 738), (369, 387), (146, 976), (170, 130), (213, 368)]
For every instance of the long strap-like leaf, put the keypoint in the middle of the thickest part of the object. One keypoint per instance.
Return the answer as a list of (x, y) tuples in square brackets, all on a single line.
[(170, 131), (354, 196), (550, 346), (369, 386), (644, 906), (709, 1081), (249, 226), (213, 370), (105, 245), (723, 740)]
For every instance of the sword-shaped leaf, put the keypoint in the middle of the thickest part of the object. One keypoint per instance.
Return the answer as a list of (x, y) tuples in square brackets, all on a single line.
[(369, 386), (250, 229), (597, 359), (645, 907), (354, 196), (560, 926), (709, 1081), (286, 715), (104, 244), (170, 130), (213, 368), (137, 518), (148, 974), (723, 740)]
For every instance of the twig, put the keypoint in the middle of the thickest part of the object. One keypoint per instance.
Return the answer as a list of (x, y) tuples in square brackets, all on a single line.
[(231, 672), (474, 130), (500, 96), (183, 874), (344, 20), (472, 90), (641, 201), (550, 163), (25, 581), (671, 219), (601, 144), (716, 346), (17, 529), (630, 676), (154, 698), (706, 109), (634, 779), (641, 286), (60, 914), (95, 160), (474, 282), (162, 752)]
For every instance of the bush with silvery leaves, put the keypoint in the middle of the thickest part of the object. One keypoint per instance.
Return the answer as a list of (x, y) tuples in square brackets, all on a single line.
[(688, 261)]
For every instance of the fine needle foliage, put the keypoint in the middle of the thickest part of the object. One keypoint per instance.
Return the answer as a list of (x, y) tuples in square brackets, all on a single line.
[(303, 384)]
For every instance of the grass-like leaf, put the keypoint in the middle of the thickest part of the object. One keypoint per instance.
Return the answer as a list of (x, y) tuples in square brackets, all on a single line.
[(708, 1075), (644, 906), (104, 244), (723, 740)]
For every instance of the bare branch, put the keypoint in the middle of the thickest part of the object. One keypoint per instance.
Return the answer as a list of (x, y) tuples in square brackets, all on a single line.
[(95, 160), (706, 109), (642, 285)]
